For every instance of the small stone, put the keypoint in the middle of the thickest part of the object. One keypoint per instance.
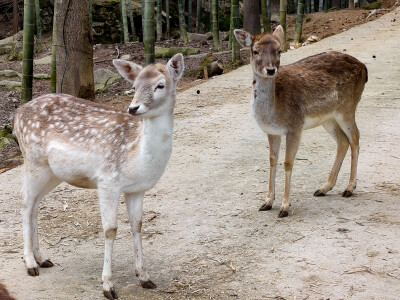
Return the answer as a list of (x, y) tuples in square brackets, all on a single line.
[(9, 84), (41, 76), (43, 61), (10, 73), (126, 57)]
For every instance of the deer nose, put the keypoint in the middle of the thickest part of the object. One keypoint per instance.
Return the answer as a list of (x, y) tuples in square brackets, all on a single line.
[(271, 71), (133, 109)]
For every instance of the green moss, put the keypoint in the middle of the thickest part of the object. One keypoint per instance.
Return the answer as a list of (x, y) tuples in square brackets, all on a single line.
[(374, 5), (6, 136), (169, 52)]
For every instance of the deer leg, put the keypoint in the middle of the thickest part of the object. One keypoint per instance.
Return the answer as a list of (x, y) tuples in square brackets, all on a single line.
[(37, 183), (292, 144), (343, 144), (134, 205), (109, 212), (274, 145), (349, 127)]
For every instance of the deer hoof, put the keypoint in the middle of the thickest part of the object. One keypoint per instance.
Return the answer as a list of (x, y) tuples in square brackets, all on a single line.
[(265, 206), (46, 264), (147, 284), (283, 214), (318, 193), (33, 272), (347, 194), (111, 294)]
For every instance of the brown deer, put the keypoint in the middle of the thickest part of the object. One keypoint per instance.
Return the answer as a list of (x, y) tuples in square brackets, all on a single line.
[(92, 145), (323, 89)]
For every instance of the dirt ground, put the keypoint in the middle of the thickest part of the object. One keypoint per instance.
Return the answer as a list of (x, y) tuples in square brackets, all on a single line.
[(203, 235)]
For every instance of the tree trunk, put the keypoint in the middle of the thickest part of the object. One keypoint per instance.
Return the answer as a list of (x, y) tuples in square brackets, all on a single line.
[(312, 6), (124, 21), (190, 7), (264, 14), (90, 14), (351, 4), (159, 20), (307, 7), (133, 29), (74, 49), (251, 16), (336, 3), (182, 24), (27, 60), (38, 27), (53, 74), (282, 20), (235, 25), (167, 17), (321, 5), (211, 69), (15, 17), (148, 32), (211, 20), (198, 12), (217, 45), (142, 12), (268, 15), (231, 37), (299, 22)]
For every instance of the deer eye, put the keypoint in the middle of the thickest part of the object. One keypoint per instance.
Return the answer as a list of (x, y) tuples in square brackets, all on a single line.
[(279, 52), (255, 52), (160, 86)]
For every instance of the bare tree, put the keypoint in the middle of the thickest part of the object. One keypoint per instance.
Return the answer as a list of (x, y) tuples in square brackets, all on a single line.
[(217, 44), (15, 16), (133, 29), (148, 32), (74, 49), (159, 20), (124, 24), (190, 6), (251, 16), (299, 21), (27, 55), (182, 23), (235, 25), (282, 20), (198, 12), (167, 19), (53, 65), (37, 17)]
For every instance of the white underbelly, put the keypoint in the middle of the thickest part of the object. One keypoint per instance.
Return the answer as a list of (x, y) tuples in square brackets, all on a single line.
[(311, 122)]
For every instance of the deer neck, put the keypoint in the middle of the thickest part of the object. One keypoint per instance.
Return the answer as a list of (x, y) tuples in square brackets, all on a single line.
[(264, 106), (158, 129), (264, 89)]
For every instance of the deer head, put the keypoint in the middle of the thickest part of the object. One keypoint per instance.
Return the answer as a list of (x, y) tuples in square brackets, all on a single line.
[(154, 85), (265, 50)]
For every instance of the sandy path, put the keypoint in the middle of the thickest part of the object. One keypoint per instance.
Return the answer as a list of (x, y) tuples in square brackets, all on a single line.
[(203, 235)]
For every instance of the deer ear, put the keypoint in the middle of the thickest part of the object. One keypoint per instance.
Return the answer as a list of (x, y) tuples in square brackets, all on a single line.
[(243, 37), (127, 69), (175, 67), (278, 32)]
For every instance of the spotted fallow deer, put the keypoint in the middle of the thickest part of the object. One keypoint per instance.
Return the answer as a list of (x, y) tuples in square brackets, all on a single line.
[(323, 89), (90, 145)]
